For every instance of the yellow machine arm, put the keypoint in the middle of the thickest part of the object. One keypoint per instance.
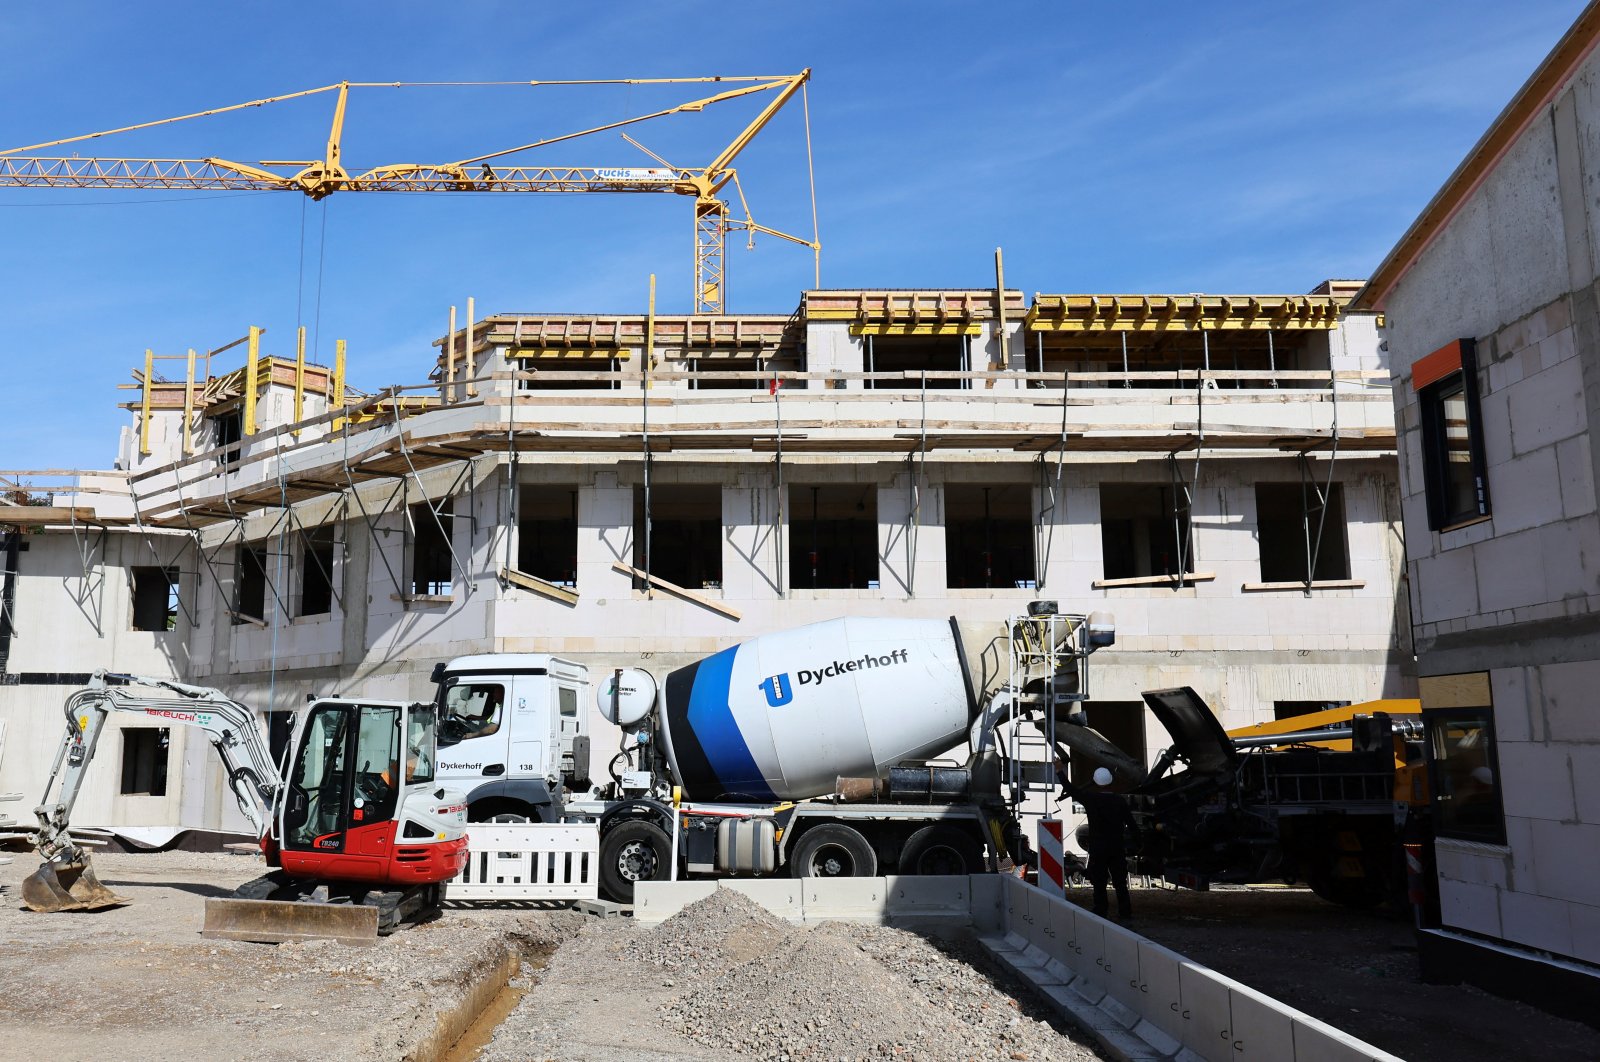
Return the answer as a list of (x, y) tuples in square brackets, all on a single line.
[(20, 168)]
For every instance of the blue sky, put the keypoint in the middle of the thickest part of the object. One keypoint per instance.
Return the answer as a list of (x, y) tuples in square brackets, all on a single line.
[(1233, 147)]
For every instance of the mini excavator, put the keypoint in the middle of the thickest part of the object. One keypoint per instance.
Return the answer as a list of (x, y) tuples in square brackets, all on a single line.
[(359, 835)]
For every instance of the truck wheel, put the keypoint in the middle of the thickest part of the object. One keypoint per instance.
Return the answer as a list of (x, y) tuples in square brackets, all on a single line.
[(833, 851), (632, 852), (941, 850)]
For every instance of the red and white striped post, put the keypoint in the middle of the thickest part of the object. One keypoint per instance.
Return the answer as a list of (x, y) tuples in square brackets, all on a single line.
[(1051, 856)]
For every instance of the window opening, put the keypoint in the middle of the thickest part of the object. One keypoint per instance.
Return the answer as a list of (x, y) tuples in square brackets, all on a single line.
[(547, 534), (1453, 462), (685, 544), (250, 584), (1143, 532), (833, 537), (699, 366), (1283, 526), (155, 599), (229, 428), (1465, 774), (316, 571), (1119, 722), (431, 575), (144, 760), (470, 710), (988, 536), (914, 355), (1292, 709)]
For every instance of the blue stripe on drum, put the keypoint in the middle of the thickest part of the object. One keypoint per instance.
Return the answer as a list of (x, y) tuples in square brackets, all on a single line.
[(711, 717)]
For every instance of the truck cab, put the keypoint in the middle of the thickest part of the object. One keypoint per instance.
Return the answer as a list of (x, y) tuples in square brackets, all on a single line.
[(513, 734)]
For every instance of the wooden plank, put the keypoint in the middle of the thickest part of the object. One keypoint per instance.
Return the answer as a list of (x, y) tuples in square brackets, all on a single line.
[(677, 591), (1152, 580), (563, 594), (34, 515), (1468, 690)]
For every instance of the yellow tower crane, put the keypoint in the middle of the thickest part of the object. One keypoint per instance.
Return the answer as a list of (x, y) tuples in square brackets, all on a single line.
[(321, 178)]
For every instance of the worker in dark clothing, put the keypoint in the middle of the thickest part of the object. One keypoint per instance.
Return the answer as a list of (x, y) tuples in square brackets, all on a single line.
[(1109, 823)]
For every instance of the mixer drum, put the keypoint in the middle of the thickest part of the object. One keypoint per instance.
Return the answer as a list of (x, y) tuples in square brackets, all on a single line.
[(782, 716)]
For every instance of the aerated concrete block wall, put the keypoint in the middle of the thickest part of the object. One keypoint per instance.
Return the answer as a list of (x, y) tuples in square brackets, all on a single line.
[(1518, 595)]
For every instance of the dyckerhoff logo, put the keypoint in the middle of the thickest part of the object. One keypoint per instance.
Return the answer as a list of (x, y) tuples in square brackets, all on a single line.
[(780, 691)]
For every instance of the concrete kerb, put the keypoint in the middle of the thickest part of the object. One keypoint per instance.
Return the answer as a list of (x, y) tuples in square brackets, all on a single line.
[(1137, 999)]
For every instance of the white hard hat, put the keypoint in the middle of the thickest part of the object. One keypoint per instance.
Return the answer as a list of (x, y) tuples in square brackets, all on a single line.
[(1102, 776)]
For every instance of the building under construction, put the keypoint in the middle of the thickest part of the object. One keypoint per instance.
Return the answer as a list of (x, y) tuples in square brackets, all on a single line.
[(1217, 471)]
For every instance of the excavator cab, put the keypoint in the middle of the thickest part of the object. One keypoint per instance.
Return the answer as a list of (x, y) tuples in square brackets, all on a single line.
[(360, 804)]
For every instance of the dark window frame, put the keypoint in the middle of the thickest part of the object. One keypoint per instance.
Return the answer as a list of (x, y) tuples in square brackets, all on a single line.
[(146, 760), (1445, 825), (1436, 448), (146, 581)]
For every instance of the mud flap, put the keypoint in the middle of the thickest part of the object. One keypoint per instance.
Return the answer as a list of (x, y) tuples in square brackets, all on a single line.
[(69, 885), (277, 921)]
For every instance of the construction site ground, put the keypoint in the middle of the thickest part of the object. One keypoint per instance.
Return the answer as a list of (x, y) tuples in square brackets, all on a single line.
[(1356, 970), (721, 980)]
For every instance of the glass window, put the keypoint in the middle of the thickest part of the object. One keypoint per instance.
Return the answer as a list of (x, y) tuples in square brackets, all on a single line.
[(378, 777), (1466, 775), (1452, 447), (320, 776), (421, 741), (470, 710), (569, 701)]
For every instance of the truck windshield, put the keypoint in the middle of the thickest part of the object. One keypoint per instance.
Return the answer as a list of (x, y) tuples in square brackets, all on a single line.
[(469, 710)]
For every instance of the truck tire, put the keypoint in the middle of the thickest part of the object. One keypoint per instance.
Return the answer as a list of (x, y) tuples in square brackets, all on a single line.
[(833, 850), (941, 850), (632, 852)]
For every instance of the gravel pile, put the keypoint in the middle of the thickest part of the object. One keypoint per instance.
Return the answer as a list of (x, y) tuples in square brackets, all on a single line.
[(725, 928), (725, 979), (853, 991)]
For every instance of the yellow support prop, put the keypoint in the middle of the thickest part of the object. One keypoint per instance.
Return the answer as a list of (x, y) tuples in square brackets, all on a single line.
[(144, 403), (299, 379), (188, 406), (251, 361), (337, 397)]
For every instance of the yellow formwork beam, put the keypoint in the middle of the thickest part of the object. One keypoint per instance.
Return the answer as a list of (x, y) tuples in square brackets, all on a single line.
[(252, 358), (144, 403), (1183, 313)]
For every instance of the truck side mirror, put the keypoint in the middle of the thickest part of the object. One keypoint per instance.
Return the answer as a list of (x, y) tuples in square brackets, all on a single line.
[(438, 673)]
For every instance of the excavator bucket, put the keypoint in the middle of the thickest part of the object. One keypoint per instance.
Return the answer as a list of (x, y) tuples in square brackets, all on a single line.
[(69, 885)]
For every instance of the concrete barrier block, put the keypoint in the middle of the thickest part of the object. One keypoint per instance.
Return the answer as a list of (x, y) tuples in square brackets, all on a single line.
[(782, 896), (1158, 983), (935, 898), (986, 902), (1014, 895), (1090, 949), (1263, 1030), (1063, 929), (1121, 965), (1317, 1041), (1207, 1020), (844, 899), (657, 901)]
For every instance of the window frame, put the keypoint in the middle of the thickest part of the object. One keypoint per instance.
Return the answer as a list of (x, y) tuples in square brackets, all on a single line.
[(1431, 395), (1432, 719)]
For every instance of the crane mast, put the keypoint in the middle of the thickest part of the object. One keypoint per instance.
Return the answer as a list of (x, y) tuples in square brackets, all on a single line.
[(20, 168)]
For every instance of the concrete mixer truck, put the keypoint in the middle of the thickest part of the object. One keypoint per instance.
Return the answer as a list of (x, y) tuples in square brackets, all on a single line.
[(808, 751)]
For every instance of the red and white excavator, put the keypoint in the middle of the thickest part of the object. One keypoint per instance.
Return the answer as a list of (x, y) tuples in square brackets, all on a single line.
[(360, 835)]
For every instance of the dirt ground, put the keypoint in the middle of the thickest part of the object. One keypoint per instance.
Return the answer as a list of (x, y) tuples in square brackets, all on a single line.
[(1355, 970), (140, 982), (719, 982)]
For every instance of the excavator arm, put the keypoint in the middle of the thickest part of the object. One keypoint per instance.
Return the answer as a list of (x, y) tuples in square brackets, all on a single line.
[(65, 880)]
